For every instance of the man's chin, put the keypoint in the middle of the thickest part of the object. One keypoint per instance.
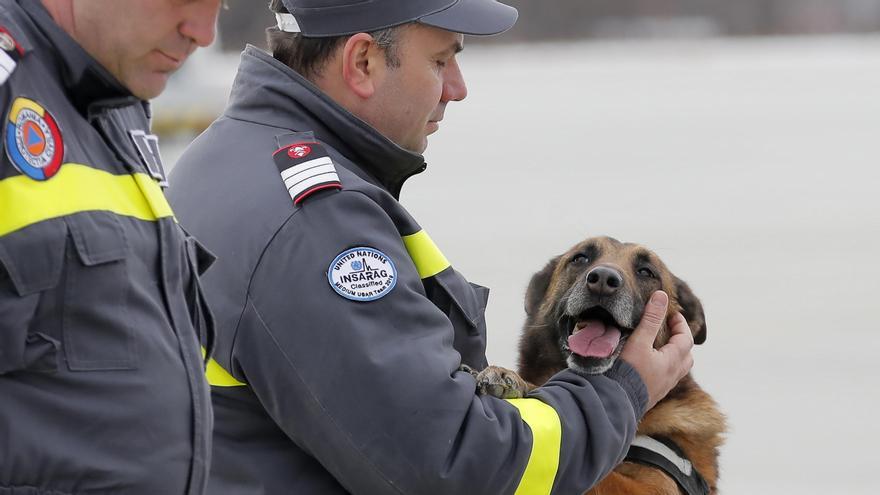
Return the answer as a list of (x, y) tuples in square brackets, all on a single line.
[(423, 146), (417, 148), (148, 86)]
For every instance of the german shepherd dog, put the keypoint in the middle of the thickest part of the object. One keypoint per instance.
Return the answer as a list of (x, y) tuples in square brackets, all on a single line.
[(580, 310)]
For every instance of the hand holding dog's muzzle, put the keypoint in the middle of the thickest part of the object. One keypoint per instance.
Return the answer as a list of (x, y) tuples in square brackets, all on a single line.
[(660, 369)]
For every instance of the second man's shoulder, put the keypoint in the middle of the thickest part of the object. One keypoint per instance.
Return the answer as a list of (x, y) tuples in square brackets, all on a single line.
[(306, 169), (14, 42)]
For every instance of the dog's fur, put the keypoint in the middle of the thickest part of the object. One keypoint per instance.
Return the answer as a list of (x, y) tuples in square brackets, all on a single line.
[(560, 295)]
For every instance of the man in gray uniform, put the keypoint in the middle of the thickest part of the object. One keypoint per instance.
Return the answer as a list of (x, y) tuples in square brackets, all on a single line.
[(102, 385), (341, 325)]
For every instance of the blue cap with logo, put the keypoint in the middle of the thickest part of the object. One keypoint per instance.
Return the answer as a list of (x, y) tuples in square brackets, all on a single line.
[(323, 18)]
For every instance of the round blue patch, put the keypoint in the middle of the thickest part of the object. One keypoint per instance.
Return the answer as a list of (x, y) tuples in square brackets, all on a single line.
[(33, 140), (362, 274)]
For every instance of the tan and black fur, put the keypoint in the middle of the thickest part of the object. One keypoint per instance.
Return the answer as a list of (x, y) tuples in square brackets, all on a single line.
[(559, 295)]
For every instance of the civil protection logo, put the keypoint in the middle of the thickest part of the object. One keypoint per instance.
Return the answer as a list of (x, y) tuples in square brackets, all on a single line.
[(33, 140), (362, 274)]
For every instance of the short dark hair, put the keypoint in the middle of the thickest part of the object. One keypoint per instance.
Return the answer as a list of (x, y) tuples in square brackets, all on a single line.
[(308, 56)]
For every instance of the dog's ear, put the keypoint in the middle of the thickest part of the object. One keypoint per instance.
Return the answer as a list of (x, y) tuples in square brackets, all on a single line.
[(692, 310), (538, 287)]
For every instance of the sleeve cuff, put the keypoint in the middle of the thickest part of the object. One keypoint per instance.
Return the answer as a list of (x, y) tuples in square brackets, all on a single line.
[(631, 382)]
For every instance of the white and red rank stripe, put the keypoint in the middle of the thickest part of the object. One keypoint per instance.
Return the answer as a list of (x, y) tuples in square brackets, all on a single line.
[(10, 53), (306, 169)]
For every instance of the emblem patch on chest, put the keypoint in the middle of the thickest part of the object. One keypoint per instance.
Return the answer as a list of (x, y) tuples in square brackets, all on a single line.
[(362, 274), (33, 140)]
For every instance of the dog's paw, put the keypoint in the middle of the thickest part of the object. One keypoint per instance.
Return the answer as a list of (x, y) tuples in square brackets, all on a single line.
[(467, 369), (502, 383)]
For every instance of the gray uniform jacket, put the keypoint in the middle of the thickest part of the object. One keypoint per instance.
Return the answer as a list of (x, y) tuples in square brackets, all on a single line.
[(102, 384), (341, 326)]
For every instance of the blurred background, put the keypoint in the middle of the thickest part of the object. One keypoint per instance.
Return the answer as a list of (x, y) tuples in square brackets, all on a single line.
[(737, 139)]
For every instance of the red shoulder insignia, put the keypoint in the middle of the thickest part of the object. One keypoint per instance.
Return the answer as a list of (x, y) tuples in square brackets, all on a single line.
[(306, 168), (10, 53)]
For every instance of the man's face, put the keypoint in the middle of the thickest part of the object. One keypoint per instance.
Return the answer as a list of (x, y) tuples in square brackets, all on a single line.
[(410, 99), (142, 42)]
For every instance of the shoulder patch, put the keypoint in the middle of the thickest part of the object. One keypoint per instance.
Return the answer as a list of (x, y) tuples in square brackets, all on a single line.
[(10, 53), (33, 140), (362, 274), (306, 168)]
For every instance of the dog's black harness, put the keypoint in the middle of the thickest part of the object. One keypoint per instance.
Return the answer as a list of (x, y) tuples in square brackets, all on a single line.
[(665, 455)]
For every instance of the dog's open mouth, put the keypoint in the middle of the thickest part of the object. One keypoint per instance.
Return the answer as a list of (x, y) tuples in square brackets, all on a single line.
[(595, 333)]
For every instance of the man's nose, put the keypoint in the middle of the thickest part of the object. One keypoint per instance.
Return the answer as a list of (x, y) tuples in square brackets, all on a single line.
[(200, 21), (454, 88)]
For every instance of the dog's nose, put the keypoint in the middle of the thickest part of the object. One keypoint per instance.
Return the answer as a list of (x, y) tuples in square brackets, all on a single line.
[(604, 281)]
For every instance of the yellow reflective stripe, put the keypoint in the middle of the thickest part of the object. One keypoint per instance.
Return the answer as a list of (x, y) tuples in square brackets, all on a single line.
[(77, 188), (425, 254), (543, 420), (217, 376)]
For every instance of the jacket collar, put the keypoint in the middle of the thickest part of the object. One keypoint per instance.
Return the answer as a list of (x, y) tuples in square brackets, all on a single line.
[(268, 92), (85, 80)]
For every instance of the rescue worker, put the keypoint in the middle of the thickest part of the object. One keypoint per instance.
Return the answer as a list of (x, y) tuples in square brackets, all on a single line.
[(102, 384), (342, 328)]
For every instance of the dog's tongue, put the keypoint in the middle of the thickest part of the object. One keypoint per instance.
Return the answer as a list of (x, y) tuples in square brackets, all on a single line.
[(594, 340)]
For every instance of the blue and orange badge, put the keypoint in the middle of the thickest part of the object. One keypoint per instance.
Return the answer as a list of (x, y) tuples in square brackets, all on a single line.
[(33, 140)]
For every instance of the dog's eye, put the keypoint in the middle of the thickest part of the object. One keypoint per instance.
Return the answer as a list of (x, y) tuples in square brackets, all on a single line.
[(646, 272), (580, 258)]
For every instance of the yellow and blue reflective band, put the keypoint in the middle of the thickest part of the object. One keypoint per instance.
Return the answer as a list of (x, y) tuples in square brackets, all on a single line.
[(425, 254), (219, 377), (77, 188), (540, 472)]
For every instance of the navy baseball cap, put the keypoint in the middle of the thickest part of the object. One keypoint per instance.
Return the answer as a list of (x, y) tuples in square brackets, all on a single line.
[(322, 18)]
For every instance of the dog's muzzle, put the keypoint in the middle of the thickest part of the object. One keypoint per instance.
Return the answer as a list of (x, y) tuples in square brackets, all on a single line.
[(597, 317)]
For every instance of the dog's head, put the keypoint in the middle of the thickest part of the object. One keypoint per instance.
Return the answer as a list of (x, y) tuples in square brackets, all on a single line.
[(584, 304)]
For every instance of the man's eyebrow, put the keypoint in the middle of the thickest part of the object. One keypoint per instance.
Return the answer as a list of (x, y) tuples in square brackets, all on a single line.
[(453, 48)]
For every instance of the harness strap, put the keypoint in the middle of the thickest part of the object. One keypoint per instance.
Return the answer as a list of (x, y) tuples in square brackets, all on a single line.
[(665, 455)]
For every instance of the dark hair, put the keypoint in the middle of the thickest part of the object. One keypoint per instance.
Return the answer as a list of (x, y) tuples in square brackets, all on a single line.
[(308, 56)]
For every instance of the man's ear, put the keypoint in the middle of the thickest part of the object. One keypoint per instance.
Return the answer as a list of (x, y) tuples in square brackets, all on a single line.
[(692, 310), (538, 287), (360, 60)]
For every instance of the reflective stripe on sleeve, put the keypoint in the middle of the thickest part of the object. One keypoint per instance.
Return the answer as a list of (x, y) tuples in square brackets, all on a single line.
[(77, 188), (219, 377), (425, 254), (543, 420)]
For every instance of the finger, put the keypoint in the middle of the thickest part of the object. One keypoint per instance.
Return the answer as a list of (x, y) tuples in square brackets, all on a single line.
[(652, 319), (681, 340), (678, 324), (686, 364), (680, 332)]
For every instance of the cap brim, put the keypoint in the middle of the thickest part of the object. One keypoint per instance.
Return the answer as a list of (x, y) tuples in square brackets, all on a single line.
[(476, 17)]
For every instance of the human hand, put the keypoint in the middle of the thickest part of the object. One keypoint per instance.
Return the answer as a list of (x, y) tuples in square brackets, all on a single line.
[(660, 369)]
